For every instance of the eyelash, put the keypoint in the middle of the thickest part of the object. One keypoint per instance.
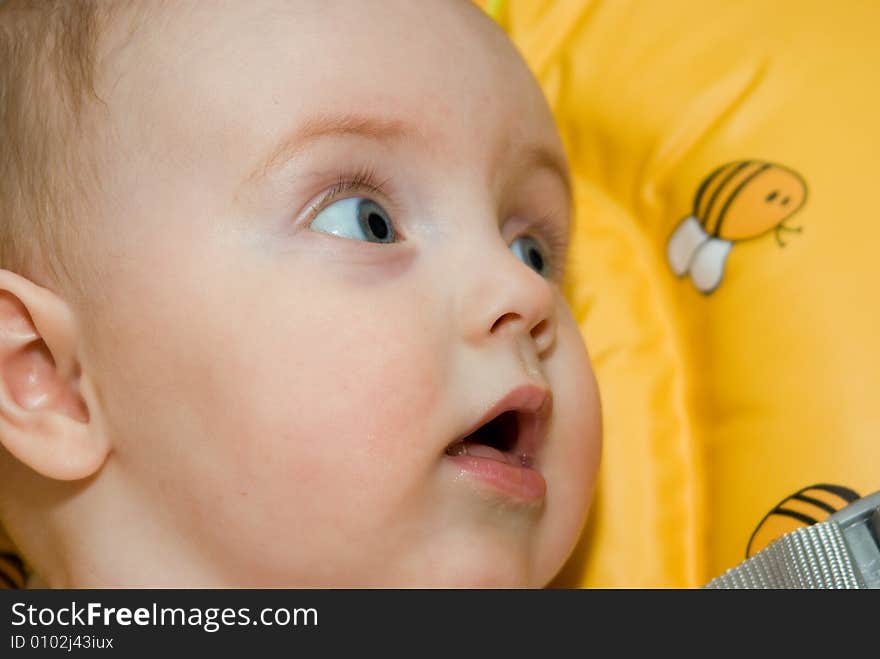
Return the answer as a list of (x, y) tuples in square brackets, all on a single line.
[(554, 239), (361, 180), (556, 242)]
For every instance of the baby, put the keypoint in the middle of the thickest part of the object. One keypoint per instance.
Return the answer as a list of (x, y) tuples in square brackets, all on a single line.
[(280, 299)]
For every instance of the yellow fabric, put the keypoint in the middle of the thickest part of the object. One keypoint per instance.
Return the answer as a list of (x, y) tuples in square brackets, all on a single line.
[(722, 395)]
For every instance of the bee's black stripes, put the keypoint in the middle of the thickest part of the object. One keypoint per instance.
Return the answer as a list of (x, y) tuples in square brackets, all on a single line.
[(844, 493), (733, 195), (7, 582), (708, 213), (810, 496), (827, 507), (698, 198), (785, 512), (12, 571)]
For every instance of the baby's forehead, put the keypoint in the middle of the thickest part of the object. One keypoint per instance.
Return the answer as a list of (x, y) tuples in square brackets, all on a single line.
[(340, 32), (235, 74), (436, 48)]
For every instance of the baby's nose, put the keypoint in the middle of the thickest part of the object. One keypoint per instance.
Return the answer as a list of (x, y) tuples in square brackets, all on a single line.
[(503, 297)]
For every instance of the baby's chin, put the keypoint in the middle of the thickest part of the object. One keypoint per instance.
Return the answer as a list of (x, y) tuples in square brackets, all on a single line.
[(477, 574), (478, 562)]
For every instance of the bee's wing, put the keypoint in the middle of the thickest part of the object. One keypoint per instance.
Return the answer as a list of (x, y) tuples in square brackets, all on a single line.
[(683, 244), (707, 267)]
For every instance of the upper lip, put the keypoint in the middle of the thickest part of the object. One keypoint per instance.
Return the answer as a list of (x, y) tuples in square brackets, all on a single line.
[(532, 404)]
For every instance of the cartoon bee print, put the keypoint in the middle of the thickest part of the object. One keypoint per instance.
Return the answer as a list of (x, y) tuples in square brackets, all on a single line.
[(805, 507), (738, 201), (12, 571)]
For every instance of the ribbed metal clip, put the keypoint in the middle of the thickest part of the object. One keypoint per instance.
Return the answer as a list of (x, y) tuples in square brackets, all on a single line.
[(860, 524)]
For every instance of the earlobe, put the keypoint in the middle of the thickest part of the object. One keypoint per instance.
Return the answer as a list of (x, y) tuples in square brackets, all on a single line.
[(45, 420)]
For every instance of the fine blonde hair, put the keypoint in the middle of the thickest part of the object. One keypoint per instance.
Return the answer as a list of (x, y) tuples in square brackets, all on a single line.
[(47, 69)]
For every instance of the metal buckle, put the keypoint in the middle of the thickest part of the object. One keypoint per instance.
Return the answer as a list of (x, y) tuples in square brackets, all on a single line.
[(859, 523)]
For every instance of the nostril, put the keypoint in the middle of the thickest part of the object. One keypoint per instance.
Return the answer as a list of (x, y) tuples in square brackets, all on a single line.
[(544, 335), (508, 317), (539, 329), (541, 333)]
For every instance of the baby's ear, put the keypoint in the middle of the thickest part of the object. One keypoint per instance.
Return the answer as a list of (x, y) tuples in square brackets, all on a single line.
[(44, 418)]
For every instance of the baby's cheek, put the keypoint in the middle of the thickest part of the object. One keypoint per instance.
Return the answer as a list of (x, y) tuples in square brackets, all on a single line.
[(321, 425), (351, 403), (580, 403), (574, 451)]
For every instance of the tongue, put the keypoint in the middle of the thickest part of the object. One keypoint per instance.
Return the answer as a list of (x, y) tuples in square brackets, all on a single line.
[(478, 451), (483, 451)]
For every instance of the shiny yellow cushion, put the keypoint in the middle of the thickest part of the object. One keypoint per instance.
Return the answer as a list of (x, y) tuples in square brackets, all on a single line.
[(725, 267)]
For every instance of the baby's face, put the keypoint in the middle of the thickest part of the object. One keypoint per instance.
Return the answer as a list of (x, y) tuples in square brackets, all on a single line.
[(328, 251)]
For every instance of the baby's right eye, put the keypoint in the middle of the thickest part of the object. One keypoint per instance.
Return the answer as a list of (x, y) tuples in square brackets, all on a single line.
[(357, 218)]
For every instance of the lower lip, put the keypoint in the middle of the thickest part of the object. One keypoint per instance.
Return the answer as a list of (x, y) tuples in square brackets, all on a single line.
[(519, 483)]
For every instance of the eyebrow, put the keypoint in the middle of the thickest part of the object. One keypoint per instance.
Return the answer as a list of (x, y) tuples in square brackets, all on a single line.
[(327, 125), (384, 129), (536, 156)]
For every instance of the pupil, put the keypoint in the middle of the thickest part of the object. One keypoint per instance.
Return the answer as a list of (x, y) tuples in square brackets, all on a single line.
[(378, 226), (536, 260)]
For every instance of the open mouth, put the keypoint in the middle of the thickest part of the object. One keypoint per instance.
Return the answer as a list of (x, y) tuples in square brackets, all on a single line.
[(502, 450), (500, 439)]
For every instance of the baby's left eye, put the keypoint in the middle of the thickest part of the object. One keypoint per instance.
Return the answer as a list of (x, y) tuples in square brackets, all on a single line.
[(357, 218), (529, 251)]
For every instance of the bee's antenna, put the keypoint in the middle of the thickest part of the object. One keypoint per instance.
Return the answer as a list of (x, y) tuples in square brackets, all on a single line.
[(782, 227)]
